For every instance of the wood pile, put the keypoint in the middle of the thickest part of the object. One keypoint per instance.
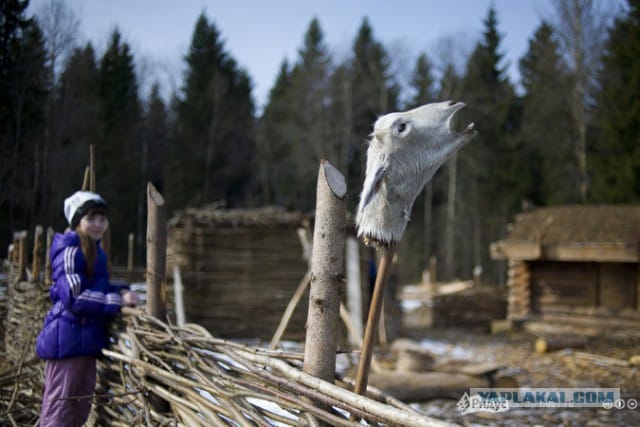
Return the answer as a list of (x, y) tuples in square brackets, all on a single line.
[(239, 269), (474, 308), (519, 297), (21, 391)]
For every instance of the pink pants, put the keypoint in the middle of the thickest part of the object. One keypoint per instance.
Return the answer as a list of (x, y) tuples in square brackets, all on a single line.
[(65, 379)]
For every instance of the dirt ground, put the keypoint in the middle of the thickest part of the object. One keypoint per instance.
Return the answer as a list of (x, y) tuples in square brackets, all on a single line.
[(567, 368)]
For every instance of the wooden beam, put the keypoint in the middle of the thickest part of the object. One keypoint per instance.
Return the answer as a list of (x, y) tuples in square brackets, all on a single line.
[(599, 252), (521, 251)]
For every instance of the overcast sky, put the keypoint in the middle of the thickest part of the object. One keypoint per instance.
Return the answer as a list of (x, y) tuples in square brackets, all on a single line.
[(260, 34)]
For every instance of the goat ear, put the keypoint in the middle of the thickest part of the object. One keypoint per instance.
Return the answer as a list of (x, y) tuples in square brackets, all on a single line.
[(371, 188)]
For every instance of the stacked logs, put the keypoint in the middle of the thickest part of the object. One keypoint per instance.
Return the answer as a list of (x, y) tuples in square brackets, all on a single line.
[(519, 298), (474, 308)]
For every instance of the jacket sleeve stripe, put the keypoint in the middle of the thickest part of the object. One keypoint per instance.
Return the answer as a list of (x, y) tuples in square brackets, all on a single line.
[(70, 267), (99, 297)]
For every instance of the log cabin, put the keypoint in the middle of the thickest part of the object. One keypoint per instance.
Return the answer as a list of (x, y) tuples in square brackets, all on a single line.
[(574, 265)]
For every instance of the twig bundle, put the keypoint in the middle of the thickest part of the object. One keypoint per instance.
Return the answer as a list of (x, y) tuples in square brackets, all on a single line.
[(209, 381)]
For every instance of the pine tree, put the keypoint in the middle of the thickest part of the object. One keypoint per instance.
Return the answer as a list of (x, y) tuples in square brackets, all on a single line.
[(155, 137), (373, 93), (309, 92), (615, 152), (422, 82), (454, 235), (422, 88), (119, 149), (490, 175), (340, 116), (212, 152), (545, 161), (75, 118), (275, 151), (581, 30), (23, 91)]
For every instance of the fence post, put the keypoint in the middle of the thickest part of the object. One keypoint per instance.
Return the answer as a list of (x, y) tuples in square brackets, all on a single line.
[(47, 258), (130, 249), (354, 286), (21, 238), (156, 253), (36, 264), (327, 274)]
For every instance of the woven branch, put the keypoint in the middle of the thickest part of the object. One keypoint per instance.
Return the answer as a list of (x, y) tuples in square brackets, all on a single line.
[(209, 381)]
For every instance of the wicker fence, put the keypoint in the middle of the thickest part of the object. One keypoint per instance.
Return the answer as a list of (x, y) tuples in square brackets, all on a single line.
[(156, 373)]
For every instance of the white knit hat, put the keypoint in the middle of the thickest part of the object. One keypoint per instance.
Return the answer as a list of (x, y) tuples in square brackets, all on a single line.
[(77, 205)]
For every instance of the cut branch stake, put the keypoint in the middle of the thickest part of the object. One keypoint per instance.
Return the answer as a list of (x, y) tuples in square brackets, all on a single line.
[(327, 274), (362, 375), (156, 252)]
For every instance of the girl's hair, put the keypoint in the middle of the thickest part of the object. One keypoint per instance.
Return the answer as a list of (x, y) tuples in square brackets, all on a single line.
[(88, 246)]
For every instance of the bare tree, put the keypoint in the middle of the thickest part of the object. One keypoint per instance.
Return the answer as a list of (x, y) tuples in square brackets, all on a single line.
[(451, 55), (60, 27), (581, 27)]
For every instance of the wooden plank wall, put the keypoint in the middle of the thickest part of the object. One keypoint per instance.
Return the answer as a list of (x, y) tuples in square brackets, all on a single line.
[(563, 284), (587, 285)]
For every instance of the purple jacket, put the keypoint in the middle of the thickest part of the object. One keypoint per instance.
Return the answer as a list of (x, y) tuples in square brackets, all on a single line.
[(82, 306)]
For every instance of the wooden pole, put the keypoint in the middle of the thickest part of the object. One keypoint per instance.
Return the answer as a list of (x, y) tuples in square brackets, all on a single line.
[(36, 264), (362, 374), (327, 274), (86, 179), (130, 258), (178, 296), (92, 169), (47, 258), (22, 255), (305, 241), (288, 312), (156, 266), (156, 253), (354, 287)]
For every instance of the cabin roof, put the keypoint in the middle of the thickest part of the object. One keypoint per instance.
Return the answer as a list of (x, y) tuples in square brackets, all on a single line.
[(579, 224), (589, 232), (217, 216)]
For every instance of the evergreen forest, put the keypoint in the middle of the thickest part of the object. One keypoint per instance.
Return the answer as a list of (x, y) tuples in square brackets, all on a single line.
[(567, 133)]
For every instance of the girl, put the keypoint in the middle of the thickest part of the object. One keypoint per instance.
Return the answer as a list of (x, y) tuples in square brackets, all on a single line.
[(84, 301)]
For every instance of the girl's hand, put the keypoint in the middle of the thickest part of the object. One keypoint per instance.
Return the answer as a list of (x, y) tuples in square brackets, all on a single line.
[(129, 298)]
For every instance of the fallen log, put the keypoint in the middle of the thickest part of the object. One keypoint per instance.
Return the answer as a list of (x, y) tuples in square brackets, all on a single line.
[(601, 360), (409, 360), (422, 386), (547, 344)]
